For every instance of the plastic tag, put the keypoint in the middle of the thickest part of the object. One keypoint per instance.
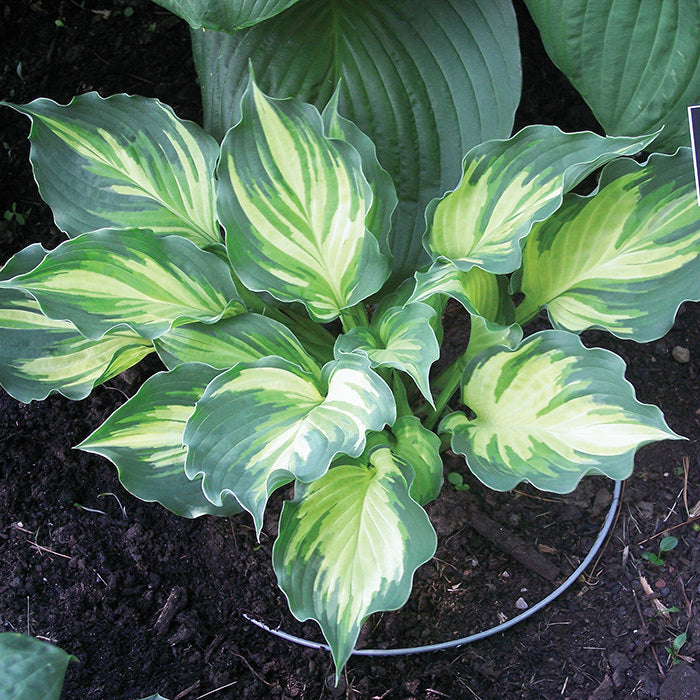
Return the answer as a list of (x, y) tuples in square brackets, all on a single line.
[(694, 117)]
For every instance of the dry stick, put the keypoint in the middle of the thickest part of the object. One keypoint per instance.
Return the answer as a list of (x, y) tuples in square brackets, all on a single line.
[(693, 513), (48, 551), (216, 690), (511, 544), (670, 529)]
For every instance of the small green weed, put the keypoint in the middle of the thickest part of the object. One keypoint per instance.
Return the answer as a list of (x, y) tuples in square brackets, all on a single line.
[(666, 545)]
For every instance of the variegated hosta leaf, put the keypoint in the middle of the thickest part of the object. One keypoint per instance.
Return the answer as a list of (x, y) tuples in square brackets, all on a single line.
[(261, 424), (123, 162), (349, 545), (143, 438), (509, 185), (104, 279), (293, 203), (637, 64), (425, 81), (39, 356), (550, 412), (384, 200), (399, 337), (479, 292), (225, 15), (623, 259), (244, 338), (420, 448), (31, 669)]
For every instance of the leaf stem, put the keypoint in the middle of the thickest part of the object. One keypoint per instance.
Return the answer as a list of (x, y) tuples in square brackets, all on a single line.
[(447, 384), (354, 317), (526, 311), (403, 408)]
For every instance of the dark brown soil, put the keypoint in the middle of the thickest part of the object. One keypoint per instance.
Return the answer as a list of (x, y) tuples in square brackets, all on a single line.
[(149, 602)]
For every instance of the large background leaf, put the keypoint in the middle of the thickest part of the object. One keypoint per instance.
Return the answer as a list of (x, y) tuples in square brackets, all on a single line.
[(637, 64), (425, 80), (225, 15)]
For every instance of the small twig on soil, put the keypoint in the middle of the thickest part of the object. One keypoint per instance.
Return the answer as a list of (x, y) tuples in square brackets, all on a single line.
[(216, 690), (511, 544), (47, 550), (537, 498), (437, 692), (688, 604), (670, 529), (695, 511), (252, 670), (187, 691), (662, 673), (639, 609)]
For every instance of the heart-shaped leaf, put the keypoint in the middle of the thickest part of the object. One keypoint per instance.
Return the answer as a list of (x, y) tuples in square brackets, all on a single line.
[(260, 424), (349, 546), (624, 259), (123, 162), (105, 279), (143, 438), (425, 81), (293, 203), (637, 64), (550, 412)]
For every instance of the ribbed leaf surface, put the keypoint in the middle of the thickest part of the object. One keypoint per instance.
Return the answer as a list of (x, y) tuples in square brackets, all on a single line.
[(349, 546), (108, 278), (624, 259), (425, 81), (243, 338), (258, 425), (39, 355), (509, 185), (293, 204), (637, 64), (123, 162), (549, 413), (225, 15), (143, 438)]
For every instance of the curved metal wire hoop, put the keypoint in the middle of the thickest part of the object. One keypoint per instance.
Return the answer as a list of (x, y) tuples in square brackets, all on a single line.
[(602, 535)]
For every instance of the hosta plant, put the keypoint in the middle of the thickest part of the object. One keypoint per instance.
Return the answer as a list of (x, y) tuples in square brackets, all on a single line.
[(257, 269)]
